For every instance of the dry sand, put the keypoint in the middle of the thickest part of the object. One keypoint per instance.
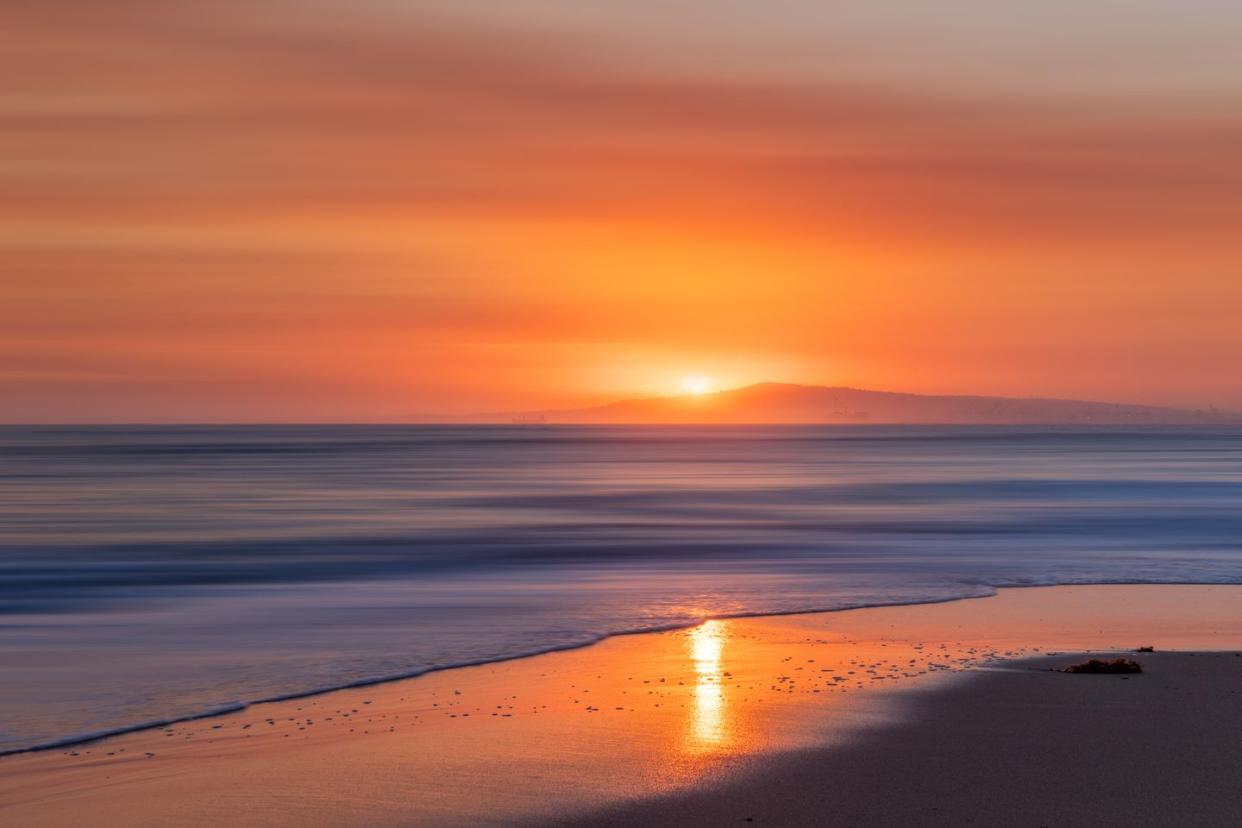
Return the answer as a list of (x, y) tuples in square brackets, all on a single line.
[(875, 716)]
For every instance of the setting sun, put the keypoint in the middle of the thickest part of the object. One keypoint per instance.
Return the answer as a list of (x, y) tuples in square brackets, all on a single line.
[(695, 384)]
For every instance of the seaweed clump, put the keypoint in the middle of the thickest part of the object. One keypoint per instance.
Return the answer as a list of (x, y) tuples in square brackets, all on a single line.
[(1096, 665)]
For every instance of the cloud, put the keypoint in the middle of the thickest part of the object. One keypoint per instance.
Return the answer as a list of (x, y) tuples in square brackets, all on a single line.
[(177, 110), (319, 195)]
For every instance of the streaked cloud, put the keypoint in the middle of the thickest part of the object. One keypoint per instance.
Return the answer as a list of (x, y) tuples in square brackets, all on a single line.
[(312, 196)]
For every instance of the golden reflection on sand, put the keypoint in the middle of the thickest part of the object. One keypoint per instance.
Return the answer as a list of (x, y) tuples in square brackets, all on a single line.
[(709, 721)]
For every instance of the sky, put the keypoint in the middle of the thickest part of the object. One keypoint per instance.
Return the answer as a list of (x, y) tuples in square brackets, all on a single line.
[(388, 210)]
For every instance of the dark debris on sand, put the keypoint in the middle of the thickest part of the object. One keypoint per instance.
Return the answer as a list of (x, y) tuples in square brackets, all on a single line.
[(1096, 665)]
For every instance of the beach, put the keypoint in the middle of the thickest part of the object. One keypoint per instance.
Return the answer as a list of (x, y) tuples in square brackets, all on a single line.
[(1022, 746), (921, 714)]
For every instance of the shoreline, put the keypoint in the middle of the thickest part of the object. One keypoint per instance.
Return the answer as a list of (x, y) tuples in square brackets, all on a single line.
[(236, 707), (227, 708), (671, 713)]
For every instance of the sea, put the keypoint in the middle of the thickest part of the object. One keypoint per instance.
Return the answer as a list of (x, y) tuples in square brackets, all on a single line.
[(149, 574)]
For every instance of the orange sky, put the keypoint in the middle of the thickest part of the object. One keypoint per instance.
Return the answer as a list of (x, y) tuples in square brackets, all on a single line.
[(378, 210)]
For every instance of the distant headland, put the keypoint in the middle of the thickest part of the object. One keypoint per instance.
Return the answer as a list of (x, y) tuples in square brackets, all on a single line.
[(772, 402)]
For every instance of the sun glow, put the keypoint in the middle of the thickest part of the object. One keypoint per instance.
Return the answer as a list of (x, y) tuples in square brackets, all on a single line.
[(695, 384)]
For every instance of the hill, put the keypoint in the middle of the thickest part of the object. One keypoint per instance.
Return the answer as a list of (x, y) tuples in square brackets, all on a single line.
[(787, 403)]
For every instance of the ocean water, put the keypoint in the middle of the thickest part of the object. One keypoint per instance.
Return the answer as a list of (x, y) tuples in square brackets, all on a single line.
[(151, 573)]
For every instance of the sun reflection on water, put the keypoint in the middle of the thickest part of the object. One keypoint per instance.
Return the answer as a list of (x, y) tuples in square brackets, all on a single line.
[(708, 721)]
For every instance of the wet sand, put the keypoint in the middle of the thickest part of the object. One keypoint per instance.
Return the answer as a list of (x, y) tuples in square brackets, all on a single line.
[(774, 719), (1022, 746)]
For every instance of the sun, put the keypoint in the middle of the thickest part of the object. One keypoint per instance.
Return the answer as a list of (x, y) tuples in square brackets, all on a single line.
[(695, 384)]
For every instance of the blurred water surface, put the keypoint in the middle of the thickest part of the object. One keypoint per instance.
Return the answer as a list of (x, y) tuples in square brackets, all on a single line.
[(156, 572)]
